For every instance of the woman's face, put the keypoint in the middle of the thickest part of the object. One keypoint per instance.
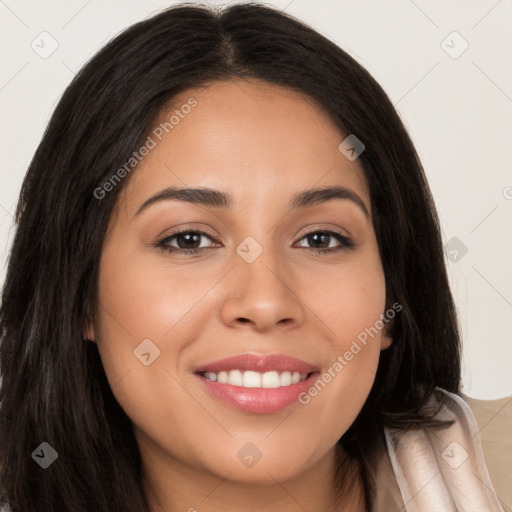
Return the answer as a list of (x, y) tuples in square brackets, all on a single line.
[(257, 287)]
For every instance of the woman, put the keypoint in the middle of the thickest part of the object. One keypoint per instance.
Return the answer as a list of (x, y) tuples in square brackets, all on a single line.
[(173, 336)]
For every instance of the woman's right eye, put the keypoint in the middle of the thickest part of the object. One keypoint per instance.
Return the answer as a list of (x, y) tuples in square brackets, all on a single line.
[(184, 239)]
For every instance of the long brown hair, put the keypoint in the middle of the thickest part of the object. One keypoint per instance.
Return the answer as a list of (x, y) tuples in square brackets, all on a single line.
[(54, 388)]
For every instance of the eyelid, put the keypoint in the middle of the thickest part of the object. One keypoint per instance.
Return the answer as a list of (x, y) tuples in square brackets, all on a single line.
[(161, 241), (334, 229), (168, 233)]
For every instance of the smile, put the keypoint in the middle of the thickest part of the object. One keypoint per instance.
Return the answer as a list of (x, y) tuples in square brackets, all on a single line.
[(255, 383), (250, 379)]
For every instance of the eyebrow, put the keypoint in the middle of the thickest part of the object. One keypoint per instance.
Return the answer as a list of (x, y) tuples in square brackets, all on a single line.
[(217, 199)]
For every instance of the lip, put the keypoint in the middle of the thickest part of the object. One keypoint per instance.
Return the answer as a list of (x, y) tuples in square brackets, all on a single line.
[(258, 400), (259, 363)]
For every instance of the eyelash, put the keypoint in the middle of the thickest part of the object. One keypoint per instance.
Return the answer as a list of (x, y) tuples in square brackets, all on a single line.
[(346, 243)]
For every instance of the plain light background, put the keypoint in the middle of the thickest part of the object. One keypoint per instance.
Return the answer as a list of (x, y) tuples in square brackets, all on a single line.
[(445, 65)]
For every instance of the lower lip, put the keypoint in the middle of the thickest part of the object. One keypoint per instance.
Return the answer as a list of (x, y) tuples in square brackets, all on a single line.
[(259, 400)]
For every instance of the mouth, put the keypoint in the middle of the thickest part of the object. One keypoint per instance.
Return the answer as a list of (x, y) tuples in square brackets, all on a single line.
[(258, 384)]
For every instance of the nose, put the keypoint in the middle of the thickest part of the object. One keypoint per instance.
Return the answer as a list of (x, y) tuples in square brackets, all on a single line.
[(263, 295)]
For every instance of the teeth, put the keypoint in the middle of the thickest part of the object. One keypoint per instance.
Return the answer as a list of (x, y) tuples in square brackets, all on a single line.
[(270, 380), (286, 378), (235, 378), (250, 379)]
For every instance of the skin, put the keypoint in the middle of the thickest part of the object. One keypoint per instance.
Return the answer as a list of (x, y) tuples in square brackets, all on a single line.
[(260, 143)]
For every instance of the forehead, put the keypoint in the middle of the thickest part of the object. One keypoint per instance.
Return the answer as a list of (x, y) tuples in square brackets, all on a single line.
[(255, 140)]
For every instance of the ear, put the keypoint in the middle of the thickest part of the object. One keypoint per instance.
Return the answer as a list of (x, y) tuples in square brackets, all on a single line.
[(386, 340)]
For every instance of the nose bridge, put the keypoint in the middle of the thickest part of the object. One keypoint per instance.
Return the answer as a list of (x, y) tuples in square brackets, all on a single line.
[(262, 265), (261, 291), (258, 222)]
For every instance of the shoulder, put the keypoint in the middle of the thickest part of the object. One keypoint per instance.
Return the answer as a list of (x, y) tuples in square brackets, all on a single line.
[(442, 469), (494, 420)]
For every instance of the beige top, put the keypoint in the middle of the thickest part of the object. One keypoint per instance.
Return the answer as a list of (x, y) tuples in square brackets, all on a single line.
[(434, 470)]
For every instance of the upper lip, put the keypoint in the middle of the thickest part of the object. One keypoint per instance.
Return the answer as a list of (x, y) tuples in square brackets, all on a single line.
[(259, 363)]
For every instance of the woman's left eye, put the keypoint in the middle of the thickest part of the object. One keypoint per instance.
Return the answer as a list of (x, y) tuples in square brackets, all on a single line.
[(187, 242), (320, 237)]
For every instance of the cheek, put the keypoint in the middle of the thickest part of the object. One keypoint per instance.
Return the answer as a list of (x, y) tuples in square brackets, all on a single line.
[(141, 311), (141, 301), (145, 296), (351, 308), (349, 299)]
